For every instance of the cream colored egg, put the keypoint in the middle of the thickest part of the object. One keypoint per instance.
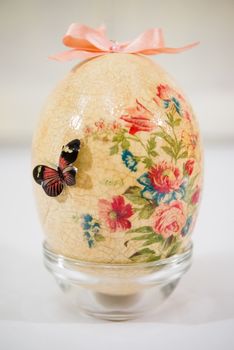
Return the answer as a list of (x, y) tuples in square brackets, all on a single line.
[(139, 167)]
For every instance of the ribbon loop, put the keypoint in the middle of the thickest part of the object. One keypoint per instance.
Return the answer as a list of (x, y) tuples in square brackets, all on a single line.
[(86, 42)]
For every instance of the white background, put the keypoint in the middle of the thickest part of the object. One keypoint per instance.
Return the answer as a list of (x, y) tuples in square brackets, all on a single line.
[(33, 312)]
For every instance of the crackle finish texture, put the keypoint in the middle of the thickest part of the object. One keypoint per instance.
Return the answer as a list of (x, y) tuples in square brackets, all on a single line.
[(139, 168)]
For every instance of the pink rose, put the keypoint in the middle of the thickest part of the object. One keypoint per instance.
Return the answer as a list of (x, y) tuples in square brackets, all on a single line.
[(165, 177), (169, 219)]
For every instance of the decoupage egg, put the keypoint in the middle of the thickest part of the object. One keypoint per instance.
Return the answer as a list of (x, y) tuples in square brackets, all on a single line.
[(117, 163)]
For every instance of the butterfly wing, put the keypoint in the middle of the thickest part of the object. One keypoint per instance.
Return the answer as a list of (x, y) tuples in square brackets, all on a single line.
[(69, 154), (49, 179), (52, 180), (69, 175)]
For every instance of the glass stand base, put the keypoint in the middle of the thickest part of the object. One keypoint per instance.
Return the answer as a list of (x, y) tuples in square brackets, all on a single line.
[(117, 292)]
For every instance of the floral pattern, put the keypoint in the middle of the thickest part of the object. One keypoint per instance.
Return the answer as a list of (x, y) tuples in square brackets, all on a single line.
[(139, 118), (165, 177), (116, 213), (169, 219), (167, 97), (129, 160), (188, 167), (91, 229), (161, 194), (159, 210), (195, 196)]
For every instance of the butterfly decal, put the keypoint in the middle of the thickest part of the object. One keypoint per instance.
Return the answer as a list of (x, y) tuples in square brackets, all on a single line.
[(54, 180)]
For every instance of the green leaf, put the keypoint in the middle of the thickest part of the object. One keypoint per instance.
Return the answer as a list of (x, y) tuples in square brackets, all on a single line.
[(144, 237), (169, 151), (118, 137), (146, 211), (166, 137), (151, 144), (183, 155), (125, 144), (114, 149), (153, 153), (144, 255), (138, 158), (133, 194), (153, 258), (169, 241), (144, 251), (154, 239), (143, 229), (170, 120), (149, 238), (98, 237), (174, 249), (177, 122), (148, 162), (178, 147), (172, 110)]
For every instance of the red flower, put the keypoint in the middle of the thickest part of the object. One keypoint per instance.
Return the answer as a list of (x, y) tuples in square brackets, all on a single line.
[(188, 167), (169, 219), (165, 177), (165, 92), (100, 125), (138, 118), (196, 196), (115, 213)]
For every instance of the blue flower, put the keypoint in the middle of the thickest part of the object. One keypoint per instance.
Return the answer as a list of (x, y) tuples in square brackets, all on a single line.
[(87, 218), (175, 102), (87, 234), (86, 225), (129, 160), (149, 192), (177, 105), (187, 225), (90, 227)]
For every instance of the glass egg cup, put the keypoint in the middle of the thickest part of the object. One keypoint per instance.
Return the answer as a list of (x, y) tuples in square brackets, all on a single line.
[(117, 292)]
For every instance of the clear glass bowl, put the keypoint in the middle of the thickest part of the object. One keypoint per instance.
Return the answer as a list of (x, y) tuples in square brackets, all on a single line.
[(117, 292)]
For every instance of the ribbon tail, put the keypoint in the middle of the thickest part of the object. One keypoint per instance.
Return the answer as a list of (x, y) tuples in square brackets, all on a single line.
[(72, 54), (170, 50)]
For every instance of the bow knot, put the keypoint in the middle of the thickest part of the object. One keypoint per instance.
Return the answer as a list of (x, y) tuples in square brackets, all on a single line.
[(86, 42), (115, 47)]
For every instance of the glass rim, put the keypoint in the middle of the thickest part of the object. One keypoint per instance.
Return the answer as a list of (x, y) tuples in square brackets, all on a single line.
[(49, 254)]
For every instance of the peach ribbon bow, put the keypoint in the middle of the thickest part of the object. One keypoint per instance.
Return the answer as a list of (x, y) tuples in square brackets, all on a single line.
[(86, 42)]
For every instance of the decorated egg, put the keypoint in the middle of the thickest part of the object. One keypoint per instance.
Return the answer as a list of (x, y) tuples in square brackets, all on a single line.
[(117, 163)]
